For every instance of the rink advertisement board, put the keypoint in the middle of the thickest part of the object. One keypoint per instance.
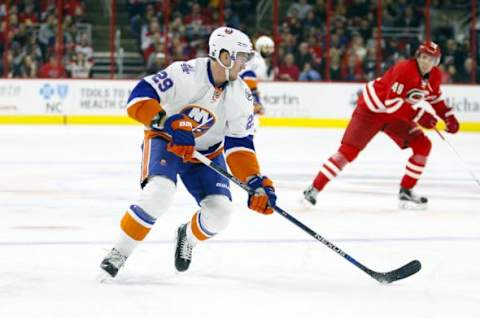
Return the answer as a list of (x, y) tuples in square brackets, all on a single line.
[(331, 104), (287, 104), (64, 101)]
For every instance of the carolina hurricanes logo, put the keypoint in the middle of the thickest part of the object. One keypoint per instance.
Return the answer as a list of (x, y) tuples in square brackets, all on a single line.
[(202, 119), (415, 95)]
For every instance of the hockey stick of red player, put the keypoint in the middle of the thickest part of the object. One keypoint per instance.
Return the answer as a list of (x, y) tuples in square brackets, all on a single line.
[(382, 277), (458, 156)]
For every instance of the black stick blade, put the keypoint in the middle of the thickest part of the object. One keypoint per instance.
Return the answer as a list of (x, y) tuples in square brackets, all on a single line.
[(399, 273)]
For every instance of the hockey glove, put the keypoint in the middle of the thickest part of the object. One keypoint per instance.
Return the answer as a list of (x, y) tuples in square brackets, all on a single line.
[(425, 119), (452, 124), (264, 197), (183, 141)]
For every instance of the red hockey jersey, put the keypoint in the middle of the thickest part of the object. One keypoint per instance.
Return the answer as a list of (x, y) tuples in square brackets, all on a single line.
[(400, 88)]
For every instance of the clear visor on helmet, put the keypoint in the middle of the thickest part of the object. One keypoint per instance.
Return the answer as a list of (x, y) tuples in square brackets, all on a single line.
[(243, 57)]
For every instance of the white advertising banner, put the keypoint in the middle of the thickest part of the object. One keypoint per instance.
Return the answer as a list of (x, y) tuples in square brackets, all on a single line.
[(64, 97), (337, 100), (309, 100), (281, 99)]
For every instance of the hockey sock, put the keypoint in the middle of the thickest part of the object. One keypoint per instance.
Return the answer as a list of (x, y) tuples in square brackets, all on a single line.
[(196, 230), (334, 165), (135, 225), (416, 163)]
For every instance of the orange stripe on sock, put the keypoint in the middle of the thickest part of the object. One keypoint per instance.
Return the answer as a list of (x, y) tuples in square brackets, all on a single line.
[(196, 229), (132, 228)]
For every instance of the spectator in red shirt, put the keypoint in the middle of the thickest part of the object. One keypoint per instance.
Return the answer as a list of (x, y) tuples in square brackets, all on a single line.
[(52, 69), (288, 71), (74, 8)]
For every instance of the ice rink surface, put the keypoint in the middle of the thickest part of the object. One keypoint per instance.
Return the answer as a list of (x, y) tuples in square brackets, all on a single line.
[(63, 190)]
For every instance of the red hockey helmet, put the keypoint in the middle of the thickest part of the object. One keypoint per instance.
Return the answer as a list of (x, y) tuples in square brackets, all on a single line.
[(430, 48)]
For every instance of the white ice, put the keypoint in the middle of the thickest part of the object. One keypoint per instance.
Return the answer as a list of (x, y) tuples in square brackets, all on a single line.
[(63, 190)]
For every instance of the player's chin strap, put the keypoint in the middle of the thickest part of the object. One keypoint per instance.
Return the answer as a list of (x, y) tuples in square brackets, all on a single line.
[(226, 68)]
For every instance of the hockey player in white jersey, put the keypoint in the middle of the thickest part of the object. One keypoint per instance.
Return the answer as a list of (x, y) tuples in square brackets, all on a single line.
[(194, 105), (258, 70)]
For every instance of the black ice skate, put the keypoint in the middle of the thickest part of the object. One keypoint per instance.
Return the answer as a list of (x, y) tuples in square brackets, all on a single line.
[(409, 201), (113, 262), (310, 195), (183, 249)]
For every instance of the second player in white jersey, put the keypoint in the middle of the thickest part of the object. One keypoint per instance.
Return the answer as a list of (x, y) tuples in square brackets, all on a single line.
[(258, 70), (258, 65)]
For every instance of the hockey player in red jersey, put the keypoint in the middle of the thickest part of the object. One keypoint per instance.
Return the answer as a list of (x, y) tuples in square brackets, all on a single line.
[(397, 104)]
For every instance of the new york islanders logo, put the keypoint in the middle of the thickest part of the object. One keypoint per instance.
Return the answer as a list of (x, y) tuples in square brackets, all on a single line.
[(201, 118)]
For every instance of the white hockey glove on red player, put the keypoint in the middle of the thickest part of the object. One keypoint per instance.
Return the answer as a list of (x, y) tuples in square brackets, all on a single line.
[(264, 198)]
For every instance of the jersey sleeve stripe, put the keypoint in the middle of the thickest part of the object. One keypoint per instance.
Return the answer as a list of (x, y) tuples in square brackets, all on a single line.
[(241, 157), (243, 164), (367, 100), (437, 100), (251, 83), (373, 94), (235, 149), (248, 74), (143, 89), (137, 100), (144, 110), (449, 113), (244, 142)]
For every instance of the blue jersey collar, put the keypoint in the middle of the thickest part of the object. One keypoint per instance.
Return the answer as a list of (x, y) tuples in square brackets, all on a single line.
[(210, 77)]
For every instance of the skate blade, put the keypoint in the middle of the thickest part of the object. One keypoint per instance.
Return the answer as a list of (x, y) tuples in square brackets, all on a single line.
[(103, 277), (303, 204), (412, 206)]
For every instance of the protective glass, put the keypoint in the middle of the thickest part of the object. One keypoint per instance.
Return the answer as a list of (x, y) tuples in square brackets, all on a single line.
[(243, 57)]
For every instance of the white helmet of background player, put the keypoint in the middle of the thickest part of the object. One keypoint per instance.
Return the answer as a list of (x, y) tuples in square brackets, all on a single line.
[(265, 46), (235, 42)]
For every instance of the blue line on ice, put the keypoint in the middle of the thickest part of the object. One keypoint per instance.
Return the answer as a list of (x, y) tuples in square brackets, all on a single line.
[(262, 241)]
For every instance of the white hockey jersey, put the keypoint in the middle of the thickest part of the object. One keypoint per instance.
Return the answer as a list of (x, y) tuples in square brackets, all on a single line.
[(257, 68), (187, 87)]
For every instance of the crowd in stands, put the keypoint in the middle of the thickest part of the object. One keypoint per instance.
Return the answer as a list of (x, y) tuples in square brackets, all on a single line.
[(352, 55), (301, 51), (30, 45), (306, 49), (189, 25)]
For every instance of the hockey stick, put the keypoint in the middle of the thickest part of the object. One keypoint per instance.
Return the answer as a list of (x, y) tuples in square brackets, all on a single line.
[(382, 277), (458, 156)]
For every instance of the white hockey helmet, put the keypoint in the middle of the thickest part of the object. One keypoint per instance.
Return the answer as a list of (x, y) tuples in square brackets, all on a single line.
[(231, 40), (265, 45)]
